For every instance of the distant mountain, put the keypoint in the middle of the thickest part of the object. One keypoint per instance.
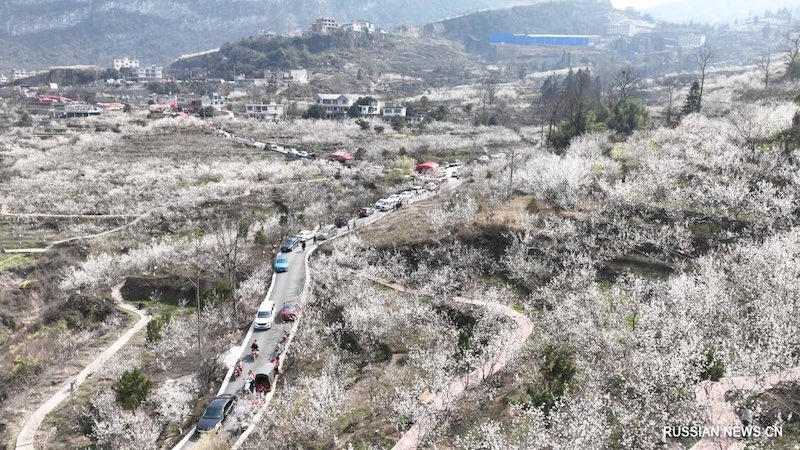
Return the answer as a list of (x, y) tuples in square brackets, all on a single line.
[(717, 11), (544, 17), (39, 33)]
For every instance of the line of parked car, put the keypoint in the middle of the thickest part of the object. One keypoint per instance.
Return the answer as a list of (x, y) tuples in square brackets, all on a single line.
[(292, 151)]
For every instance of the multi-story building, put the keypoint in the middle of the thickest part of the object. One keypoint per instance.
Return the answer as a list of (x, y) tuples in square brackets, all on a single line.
[(283, 76), (126, 63), (360, 26), (325, 25), (373, 108), (691, 40), (19, 74), (622, 25), (150, 72), (336, 105), (265, 111), (215, 100)]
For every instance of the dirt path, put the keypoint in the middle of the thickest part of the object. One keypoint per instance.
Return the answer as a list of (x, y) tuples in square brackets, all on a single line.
[(26, 439), (721, 413), (412, 438)]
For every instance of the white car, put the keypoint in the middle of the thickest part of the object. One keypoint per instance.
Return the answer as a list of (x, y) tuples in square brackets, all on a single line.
[(305, 235), (499, 156), (273, 146), (406, 195), (302, 154), (394, 198), (385, 204), (431, 186), (293, 151), (417, 189), (484, 159), (265, 316)]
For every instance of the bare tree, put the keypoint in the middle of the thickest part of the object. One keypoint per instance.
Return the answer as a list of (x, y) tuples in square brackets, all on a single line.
[(670, 85), (792, 53), (489, 88), (703, 57), (230, 235), (625, 83), (763, 65)]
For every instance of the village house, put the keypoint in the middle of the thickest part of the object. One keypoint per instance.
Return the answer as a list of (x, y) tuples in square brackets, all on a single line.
[(359, 26), (150, 73), (299, 76), (265, 111), (373, 108), (336, 105), (391, 111)]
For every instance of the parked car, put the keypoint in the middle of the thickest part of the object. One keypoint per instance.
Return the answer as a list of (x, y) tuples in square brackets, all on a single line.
[(393, 198), (293, 151), (417, 189), (289, 311), (431, 186), (217, 411), (289, 244), (366, 211), (272, 146), (484, 159), (327, 232), (281, 263), (445, 164), (305, 235), (456, 174), (265, 316), (385, 204), (340, 222), (406, 195), (457, 163), (498, 156), (302, 154)]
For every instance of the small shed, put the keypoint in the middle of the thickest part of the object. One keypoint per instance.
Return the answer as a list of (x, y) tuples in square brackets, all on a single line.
[(342, 156), (427, 166)]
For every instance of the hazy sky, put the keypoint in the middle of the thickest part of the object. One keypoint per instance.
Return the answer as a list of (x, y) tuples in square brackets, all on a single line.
[(638, 4)]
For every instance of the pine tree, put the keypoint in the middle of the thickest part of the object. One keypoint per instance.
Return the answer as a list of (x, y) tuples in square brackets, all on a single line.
[(132, 388), (693, 100)]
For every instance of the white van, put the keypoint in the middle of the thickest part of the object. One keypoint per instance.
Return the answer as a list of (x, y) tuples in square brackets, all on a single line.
[(265, 316)]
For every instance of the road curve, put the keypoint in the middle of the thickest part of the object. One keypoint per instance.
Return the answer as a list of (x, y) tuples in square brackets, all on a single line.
[(721, 413), (26, 439), (413, 437)]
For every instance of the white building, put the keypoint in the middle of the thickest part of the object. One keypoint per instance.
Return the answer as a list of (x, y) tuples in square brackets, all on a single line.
[(299, 76), (622, 25), (360, 26), (18, 74), (336, 105), (390, 111), (215, 100), (265, 111), (150, 73), (126, 63), (374, 108), (3, 79), (691, 40)]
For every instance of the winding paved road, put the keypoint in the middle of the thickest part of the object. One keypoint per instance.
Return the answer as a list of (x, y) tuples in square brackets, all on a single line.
[(26, 439)]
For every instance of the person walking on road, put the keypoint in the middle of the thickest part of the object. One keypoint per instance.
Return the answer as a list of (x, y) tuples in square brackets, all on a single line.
[(303, 245)]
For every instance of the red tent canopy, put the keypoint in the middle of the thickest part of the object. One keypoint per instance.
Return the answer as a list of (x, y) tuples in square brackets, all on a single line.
[(342, 155), (427, 166)]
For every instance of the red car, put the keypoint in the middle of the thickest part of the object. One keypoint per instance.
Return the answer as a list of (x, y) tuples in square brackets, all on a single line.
[(289, 311)]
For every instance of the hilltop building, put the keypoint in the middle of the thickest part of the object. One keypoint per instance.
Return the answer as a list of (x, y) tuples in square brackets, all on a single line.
[(126, 63), (150, 73), (325, 25)]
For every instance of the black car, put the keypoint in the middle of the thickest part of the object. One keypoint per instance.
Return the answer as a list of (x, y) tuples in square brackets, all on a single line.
[(340, 222), (216, 413), (289, 244)]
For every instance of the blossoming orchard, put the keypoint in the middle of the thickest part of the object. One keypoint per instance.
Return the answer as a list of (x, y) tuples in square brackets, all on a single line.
[(543, 251)]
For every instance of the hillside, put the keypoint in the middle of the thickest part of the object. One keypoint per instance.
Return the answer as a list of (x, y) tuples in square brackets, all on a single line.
[(428, 58), (39, 33), (558, 17)]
